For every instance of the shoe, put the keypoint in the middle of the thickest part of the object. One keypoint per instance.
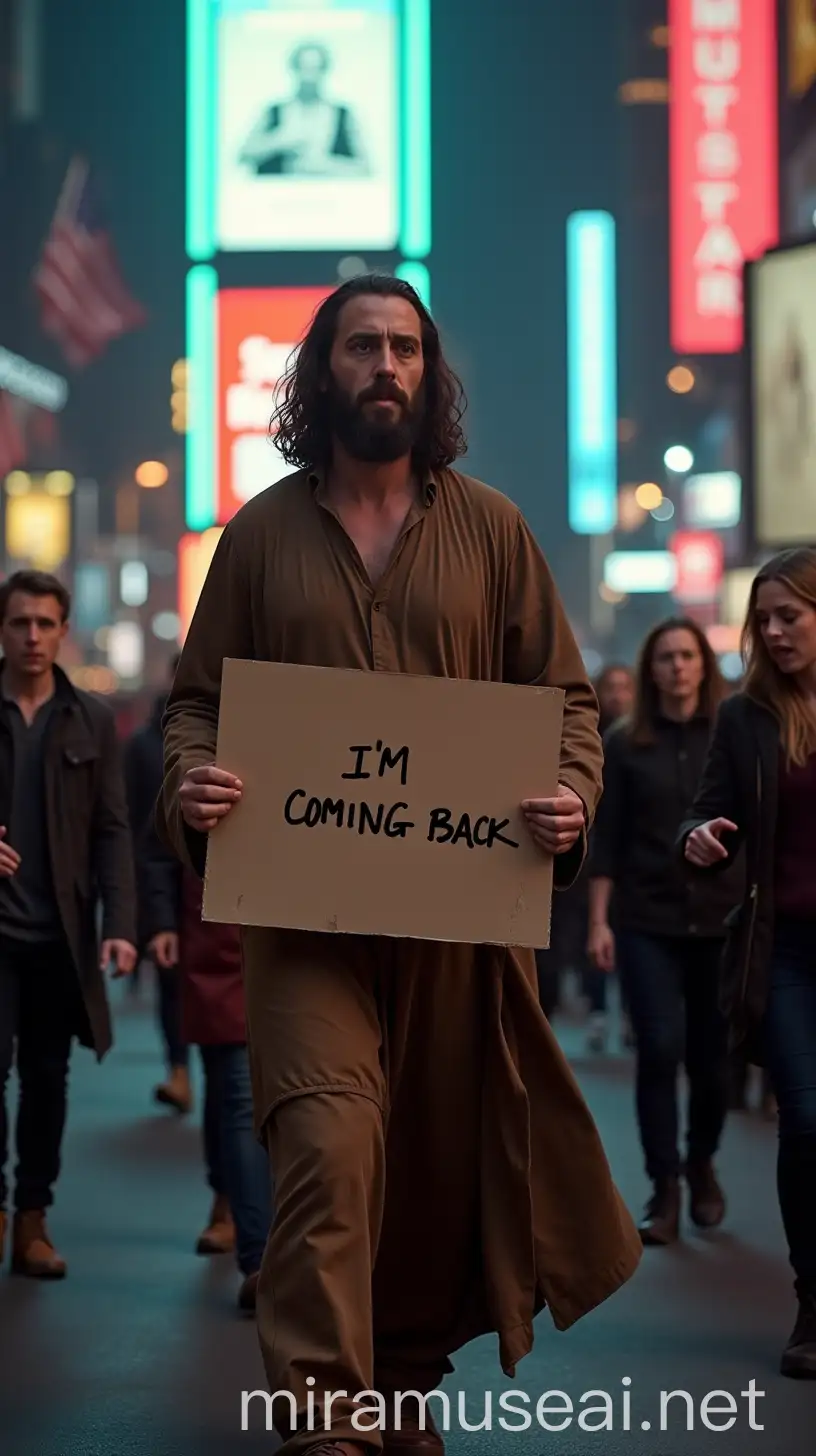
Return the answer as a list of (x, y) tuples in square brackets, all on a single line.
[(707, 1200), (799, 1357), (339, 1448), (248, 1294), (176, 1092), (596, 1036), (33, 1253), (219, 1235), (413, 1441), (661, 1219)]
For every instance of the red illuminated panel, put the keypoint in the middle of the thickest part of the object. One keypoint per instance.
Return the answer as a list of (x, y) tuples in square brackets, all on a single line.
[(723, 163), (195, 554), (700, 561), (258, 328)]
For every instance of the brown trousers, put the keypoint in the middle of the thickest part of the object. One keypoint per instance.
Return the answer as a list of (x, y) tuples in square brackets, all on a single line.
[(374, 1084)]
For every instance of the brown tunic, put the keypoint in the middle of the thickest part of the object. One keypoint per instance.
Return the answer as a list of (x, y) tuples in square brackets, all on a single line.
[(499, 1198)]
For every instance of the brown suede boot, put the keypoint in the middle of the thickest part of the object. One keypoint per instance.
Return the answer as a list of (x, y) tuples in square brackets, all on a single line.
[(33, 1253), (707, 1200), (661, 1220), (176, 1092), (219, 1235)]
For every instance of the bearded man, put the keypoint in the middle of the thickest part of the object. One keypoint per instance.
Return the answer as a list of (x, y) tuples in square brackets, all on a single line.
[(437, 1172)]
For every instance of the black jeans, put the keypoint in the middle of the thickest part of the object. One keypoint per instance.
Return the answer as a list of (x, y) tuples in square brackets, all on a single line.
[(790, 1041), (168, 989), (40, 1009), (672, 988)]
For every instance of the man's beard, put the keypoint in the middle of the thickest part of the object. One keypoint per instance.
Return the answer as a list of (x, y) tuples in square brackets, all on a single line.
[(377, 442)]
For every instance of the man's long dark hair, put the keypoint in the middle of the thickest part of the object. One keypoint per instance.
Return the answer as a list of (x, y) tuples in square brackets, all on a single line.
[(300, 424)]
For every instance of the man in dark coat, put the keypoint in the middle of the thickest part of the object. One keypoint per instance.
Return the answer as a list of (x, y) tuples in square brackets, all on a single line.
[(64, 846), (144, 772)]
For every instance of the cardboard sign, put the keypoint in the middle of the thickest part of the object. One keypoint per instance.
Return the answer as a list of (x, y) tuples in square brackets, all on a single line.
[(379, 804)]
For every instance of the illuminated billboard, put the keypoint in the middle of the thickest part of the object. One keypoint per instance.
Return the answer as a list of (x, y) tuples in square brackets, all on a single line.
[(592, 366), (239, 343), (308, 126), (258, 330), (723, 156), (782, 353)]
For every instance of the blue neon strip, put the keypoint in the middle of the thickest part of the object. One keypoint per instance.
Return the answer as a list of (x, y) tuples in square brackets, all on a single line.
[(202, 414), (592, 373), (419, 278), (202, 98), (415, 241)]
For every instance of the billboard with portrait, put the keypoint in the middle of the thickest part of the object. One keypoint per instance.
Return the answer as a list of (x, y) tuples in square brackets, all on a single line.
[(782, 360), (308, 125)]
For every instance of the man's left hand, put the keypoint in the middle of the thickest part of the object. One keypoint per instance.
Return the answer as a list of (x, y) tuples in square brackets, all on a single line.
[(556, 824), (123, 955)]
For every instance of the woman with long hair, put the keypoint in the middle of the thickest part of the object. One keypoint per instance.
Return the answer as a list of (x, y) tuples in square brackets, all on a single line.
[(759, 789), (669, 932)]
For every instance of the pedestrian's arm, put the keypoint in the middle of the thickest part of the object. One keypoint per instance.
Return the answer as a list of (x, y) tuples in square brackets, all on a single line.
[(718, 793), (540, 650), (112, 842), (221, 627)]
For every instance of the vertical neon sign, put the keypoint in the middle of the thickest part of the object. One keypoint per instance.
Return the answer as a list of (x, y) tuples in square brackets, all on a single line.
[(592, 369), (723, 156)]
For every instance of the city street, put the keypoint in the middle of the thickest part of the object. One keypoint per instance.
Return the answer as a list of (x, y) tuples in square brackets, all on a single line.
[(141, 1349)]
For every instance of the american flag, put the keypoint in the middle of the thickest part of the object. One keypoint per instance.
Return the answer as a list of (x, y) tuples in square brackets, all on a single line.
[(12, 440), (84, 301)]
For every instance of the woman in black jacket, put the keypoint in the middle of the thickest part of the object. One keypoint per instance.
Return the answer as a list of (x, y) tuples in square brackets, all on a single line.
[(669, 931), (759, 788)]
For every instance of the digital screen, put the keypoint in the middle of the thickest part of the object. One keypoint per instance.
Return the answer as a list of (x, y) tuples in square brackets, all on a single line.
[(308, 129), (783, 387), (259, 330), (592, 366)]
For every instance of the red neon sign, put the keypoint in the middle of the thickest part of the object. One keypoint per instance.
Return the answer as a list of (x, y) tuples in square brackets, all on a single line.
[(700, 560), (723, 154), (258, 328)]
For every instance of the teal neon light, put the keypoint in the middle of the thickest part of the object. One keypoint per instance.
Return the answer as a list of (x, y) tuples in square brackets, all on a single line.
[(419, 278), (592, 366), (415, 241), (202, 98), (202, 289)]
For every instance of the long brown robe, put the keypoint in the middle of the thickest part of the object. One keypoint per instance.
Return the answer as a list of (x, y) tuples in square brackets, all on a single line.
[(438, 1174)]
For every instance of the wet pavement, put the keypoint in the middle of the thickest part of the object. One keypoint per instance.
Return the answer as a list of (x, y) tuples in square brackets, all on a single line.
[(141, 1349)]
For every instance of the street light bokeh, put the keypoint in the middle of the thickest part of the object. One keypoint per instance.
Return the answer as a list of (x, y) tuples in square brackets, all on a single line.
[(678, 459), (151, 474)]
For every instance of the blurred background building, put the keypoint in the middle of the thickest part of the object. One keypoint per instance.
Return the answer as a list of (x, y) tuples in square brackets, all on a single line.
[(580, 233)]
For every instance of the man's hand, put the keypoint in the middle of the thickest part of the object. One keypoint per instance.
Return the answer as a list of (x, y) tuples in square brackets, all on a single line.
[(122, 953), (164, 949), (703, 847), (556, 824), (206, 795), (601, 947), (9, 858)]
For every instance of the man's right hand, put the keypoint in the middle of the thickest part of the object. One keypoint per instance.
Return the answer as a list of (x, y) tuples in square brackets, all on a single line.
[(703, 847), (601, 948), (9, 858), (206, 795)]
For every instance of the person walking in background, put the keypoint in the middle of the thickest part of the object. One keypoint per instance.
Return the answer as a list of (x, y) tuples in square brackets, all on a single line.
[(144, 770), (205, 960), (759, 791), (64, 846), (570, 910), (670, 932)]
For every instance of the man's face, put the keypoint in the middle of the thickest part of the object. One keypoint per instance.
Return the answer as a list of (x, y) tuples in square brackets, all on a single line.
[(309, 72), (678, 667), (616, 694), (32, 633), (376, 371)]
